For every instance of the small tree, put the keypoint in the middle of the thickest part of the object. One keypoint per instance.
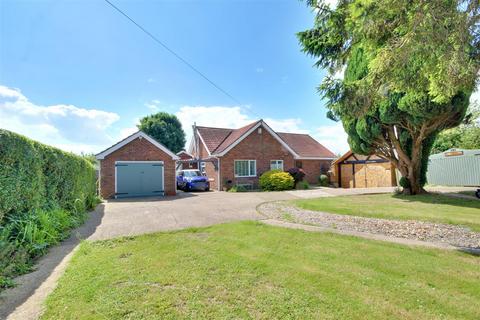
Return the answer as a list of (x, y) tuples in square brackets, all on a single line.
[(165, 128), (409, 68)]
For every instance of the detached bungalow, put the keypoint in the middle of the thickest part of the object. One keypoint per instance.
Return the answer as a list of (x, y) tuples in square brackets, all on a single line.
[(239, 156)]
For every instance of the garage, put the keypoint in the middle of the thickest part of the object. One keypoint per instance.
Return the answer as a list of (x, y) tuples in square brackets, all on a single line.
[(139, 178), (137, 166), (359, 171)]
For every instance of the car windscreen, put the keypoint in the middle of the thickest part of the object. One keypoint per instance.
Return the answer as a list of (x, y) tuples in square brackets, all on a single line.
[(192, 173)]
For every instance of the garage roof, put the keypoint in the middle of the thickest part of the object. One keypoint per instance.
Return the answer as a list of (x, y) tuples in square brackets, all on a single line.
[(127, 140)]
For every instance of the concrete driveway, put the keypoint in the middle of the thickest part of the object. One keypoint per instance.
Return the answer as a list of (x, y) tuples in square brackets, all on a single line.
[(126, 217)]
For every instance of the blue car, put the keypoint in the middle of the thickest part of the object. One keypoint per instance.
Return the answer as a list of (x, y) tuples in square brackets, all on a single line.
[(189, 180)]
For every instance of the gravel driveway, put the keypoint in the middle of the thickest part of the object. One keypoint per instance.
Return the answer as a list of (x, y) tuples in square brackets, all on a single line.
[(456, 236)]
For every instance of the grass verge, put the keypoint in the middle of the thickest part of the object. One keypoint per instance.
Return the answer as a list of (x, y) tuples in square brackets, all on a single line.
[(426, 207), (251, 270)]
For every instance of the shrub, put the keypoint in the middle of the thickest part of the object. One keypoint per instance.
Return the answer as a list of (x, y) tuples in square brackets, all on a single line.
[(238, 188), (44, 193), (276, 180), (323, 180), (264, 180), (303, 185), (297, 174)]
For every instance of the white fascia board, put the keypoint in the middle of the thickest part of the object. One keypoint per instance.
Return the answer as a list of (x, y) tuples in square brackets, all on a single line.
[(283, 143), (129, 139), (186, 152), (190, 147), (313, 158), (204, 144), (230, 147)]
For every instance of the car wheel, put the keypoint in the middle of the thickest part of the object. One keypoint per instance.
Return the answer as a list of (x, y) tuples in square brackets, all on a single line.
[(207, 189), (478, 193)]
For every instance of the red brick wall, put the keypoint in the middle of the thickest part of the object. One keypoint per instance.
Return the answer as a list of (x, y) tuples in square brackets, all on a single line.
[(313, 169), (137, 150), (212, 174), (261, 147)]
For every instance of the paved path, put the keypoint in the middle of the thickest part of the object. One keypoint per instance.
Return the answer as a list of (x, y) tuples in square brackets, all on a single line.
[(128, 217)]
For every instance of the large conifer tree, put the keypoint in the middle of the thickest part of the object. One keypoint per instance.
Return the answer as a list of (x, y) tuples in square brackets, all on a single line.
[(409, 68)]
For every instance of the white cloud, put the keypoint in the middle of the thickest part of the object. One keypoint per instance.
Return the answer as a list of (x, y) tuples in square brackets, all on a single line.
[(152, 106), (333, 137), (151, 80), (259, 70), (331, 3), (291, 125), (65, 126), (125, 132), (213, 116), (234, 117)]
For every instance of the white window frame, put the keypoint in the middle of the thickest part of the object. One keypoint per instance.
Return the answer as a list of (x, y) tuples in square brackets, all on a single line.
[(277, 162), (203, 167), (250, 175)]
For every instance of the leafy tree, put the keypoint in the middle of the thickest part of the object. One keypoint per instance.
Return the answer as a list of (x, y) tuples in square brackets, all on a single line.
[(90, 157), (409, 68), (465, 136), (165, 128)]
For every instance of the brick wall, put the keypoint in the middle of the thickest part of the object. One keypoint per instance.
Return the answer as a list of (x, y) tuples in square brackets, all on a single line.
[(137, 150), (261, 147), (212, 174), (314, 168)]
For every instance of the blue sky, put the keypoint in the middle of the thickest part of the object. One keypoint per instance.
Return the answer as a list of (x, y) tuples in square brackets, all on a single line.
[(78, 75)]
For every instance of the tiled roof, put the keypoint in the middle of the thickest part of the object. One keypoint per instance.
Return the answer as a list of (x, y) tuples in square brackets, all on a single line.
[(184, 155), (305, 146), (213, 137), (219, 139), (234, 136)]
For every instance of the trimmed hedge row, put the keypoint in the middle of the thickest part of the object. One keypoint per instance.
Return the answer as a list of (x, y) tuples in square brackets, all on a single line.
[(36, 176), (44, 192)]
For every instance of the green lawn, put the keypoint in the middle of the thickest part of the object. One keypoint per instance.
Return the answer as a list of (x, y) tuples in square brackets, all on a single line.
[(468, 193), (428, 207), (248, 270)]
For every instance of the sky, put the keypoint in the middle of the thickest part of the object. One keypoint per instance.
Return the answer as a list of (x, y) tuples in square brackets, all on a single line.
[(77, 75)]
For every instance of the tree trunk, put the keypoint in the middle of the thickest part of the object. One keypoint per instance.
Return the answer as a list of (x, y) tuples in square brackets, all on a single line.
[(412, 172)]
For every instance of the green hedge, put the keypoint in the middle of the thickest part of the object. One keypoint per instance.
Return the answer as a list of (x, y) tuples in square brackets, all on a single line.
[(36, 176), (43, 191)]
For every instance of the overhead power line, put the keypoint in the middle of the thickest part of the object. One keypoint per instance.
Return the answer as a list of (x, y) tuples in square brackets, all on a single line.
[(172, 52)]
